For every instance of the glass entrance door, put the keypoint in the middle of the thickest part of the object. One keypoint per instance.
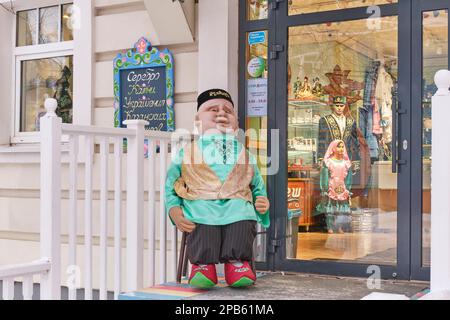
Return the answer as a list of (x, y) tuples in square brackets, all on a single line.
[(430, 54), (342, 191), (348, 84), (346, 176)]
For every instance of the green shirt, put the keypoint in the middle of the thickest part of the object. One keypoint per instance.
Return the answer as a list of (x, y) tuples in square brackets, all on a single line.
[(220, 153)]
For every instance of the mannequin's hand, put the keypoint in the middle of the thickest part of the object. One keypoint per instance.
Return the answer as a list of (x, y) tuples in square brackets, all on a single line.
[(262, 204), (183, 224)]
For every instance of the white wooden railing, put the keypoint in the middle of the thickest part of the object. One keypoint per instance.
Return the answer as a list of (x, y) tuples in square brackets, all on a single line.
[(24, 272), (52, 131)]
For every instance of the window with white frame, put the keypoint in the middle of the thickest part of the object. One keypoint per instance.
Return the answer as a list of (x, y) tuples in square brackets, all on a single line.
[(43, 65)]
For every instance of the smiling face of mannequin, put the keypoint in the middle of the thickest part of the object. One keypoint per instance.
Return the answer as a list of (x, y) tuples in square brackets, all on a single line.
[(217, 116)]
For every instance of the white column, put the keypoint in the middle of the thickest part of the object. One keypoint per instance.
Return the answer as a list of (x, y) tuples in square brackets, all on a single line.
[(135, 205), (218, 39), (83, 61), (6, 64), (51, 200), (440, 190)]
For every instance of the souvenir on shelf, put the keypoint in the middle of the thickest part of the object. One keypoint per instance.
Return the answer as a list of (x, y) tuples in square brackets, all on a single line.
[(304, 90), (317, 87), (303, 126)]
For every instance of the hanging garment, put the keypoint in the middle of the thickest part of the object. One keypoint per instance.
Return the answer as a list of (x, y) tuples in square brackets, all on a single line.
[(376, 124), (383, 96), (366, 111)]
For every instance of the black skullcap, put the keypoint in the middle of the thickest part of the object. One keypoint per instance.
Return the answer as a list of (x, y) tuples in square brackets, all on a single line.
[(213, 94)]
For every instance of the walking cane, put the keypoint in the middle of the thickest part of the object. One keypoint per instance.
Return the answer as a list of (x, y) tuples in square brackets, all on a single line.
[(182, 261)]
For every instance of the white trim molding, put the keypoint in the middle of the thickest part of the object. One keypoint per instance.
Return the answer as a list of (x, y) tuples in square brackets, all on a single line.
[(83, 63)]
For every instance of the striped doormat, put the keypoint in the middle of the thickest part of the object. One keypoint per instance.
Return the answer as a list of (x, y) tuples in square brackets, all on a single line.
[(420, 294), (173, 290)]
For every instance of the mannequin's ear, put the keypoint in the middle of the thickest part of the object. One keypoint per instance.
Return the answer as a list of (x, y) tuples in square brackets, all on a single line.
[(197, 125)]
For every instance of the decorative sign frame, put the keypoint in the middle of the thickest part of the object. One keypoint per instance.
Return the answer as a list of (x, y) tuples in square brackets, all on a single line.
[(141, 58)]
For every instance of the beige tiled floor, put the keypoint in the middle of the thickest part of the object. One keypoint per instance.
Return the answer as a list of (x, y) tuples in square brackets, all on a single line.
[(348, 246)]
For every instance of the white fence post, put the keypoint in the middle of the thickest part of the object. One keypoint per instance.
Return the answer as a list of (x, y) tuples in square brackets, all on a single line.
[(51, 200), (135, 205), (440, 191), (162, 213)]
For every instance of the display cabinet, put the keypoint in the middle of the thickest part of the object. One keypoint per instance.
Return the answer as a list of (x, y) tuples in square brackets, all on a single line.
[(303, 170)]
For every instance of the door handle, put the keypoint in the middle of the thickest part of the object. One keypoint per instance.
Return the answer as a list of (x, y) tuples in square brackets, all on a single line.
[(395, 161)]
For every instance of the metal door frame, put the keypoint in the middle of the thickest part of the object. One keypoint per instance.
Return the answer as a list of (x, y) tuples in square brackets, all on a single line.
[(418, 271), (401, 270), (277, 26)]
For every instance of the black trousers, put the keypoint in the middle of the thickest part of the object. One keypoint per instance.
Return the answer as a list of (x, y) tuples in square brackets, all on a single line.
[(219, 244)]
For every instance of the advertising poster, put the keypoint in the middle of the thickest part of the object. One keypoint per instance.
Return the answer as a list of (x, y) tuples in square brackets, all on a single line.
[(257, 97)]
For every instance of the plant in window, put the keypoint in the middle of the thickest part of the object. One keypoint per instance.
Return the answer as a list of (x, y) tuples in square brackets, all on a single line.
[(63, 96)]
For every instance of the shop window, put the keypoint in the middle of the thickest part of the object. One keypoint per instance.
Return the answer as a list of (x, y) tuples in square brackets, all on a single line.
[(44, 65), (67, 21), (53, 25), (26, 28), (42, 78), (310, 6), (342, 194), (48, 25)]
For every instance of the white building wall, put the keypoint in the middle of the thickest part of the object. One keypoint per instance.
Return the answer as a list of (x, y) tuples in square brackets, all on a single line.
[(218, 45), (117, 25)]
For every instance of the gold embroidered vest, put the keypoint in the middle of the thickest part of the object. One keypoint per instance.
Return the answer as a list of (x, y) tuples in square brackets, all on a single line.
[(336, 131), (199, 181)]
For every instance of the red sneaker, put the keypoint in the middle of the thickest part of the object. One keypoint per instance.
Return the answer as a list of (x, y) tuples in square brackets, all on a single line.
[(203, 276), (239, 274)]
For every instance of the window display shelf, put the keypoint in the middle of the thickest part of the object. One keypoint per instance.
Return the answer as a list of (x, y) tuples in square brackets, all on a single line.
[(306, 125), (296, 153), (303, 130), (302, 104)]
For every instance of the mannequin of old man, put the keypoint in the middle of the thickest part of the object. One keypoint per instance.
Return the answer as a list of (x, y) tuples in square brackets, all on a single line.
[(215, 193)]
